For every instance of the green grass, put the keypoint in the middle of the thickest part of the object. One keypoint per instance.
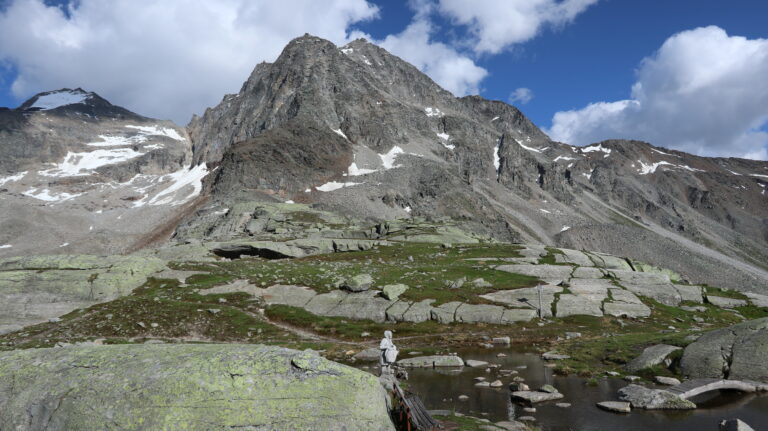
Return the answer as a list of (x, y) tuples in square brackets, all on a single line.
[(725, 293)]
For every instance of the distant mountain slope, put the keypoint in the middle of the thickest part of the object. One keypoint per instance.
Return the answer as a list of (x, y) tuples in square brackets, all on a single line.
[(80, 175), (359, 131)]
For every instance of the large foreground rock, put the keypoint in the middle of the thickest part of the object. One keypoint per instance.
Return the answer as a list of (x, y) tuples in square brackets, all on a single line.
[(738, 352), (192, 387)]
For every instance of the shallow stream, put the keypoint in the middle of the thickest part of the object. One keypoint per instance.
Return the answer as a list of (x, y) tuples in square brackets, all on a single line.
[(440, 388)]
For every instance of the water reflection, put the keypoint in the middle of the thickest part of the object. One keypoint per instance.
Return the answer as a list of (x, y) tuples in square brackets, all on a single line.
[(440, 389)]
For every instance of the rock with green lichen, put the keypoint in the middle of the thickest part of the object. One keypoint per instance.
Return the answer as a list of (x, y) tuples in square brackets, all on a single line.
[(191, 387)]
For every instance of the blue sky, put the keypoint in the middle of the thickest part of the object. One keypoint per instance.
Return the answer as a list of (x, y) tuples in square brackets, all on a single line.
[(578, 59)]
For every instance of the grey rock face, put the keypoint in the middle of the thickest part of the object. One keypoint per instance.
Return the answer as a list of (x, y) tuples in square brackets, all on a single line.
[(641, 397), (152, 386), (551, 274), (533, 397), (651, 356), (615, 406), (737, 352), (734, 425), (571, 305), (723, 302)]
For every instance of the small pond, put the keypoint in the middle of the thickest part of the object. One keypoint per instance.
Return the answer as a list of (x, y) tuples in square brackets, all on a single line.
[(440, 388)]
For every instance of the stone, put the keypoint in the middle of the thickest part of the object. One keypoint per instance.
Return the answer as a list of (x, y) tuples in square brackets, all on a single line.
[(663, 293), (527, 297), (693, 309), (553, 356), (582, 272), (608, 261), (431, 361), (757, 299), (481, 283), (641, 397), (325, 302), (519, 386), (563, 405), (444, 313), (419, 311), (358, 283), (572, 305), (483, 384), (723, 302), (573, 257), (479, 313), (734, 425), (361, 306), (533, 397), (737, 352), (512, 315), (664, 380), (550, 274), (475, 364), (295, 296), (148, 386), (572, 335), (456, 284), (463, 397), (622, 309), (621, 295), (396, 311), (501, 340), (615, 406), (371, 354), (496, 384), (393, 291), (512, 426), (527, 418), (690, 293), (549, 389), (632, 379), (633, 277), (651, 356)]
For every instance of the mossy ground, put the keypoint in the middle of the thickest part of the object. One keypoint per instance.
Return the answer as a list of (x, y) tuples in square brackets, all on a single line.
[(182, 312)]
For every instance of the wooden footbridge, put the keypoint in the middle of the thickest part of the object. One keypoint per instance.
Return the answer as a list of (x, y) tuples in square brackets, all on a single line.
[(409, 412), (694, 387)]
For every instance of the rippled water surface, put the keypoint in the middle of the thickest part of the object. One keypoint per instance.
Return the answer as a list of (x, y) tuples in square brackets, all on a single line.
[(439, 389)]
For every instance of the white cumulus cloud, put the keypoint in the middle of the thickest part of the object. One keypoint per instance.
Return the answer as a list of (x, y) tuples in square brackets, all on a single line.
[(165, 59), (521, 95), (703, 92), (497, 24)]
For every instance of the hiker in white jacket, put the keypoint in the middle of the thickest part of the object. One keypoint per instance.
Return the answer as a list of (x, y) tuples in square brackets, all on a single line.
[(388, 351)]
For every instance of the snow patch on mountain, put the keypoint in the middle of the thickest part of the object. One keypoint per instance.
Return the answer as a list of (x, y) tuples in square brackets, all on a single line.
[(388, 159), (334, 185), (158, 131), (354, 171), (433, 112), (179, 180), (79, 164), (47, 196), (12, 178), (594, 148), (340, 133), (535, 150), (60, 98)]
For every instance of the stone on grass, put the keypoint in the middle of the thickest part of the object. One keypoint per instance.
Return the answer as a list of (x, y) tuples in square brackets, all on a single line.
[(641, 397), (550, 274), (554, 356), (615, 406), (393, 291), (651, 356), (501, 340), (358, 283), (572, 305), (496, 384), (480, 313), (146, 386), (723, 302), (512, 426), (419, 311), (621, 309), (444, 313)]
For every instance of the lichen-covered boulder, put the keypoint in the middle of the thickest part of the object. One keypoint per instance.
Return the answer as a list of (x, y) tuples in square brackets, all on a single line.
[(191, 387)]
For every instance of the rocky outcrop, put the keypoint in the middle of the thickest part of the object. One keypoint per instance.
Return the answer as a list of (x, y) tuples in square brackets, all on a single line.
[(431, 361), (737, 352), (35, 289), (194, 387)]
